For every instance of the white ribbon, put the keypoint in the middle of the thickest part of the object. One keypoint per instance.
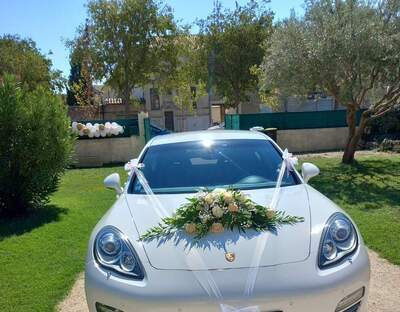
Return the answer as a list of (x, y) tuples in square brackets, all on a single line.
[(193, 258), (227, 308), (288, 164), (290, 160)]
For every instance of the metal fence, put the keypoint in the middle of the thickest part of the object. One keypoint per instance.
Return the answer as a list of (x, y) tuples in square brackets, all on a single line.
[(287, 121)]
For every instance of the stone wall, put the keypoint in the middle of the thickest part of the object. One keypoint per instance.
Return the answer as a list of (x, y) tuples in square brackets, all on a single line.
[(98, 152), (312, 140)]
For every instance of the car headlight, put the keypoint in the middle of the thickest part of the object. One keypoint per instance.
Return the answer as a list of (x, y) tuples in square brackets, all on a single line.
[(339, 240), (113, 251)]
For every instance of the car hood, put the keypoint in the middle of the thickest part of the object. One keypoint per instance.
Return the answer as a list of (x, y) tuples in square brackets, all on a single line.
[(290, 243)]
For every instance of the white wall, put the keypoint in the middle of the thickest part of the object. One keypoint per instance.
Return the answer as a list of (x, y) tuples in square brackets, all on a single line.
[(97, 152)]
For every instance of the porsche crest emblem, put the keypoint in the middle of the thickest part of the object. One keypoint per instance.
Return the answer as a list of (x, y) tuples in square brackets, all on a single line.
[(230, 256)]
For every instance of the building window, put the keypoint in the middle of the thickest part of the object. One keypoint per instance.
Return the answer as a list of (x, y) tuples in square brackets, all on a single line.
[(154, 99), (193, 91)]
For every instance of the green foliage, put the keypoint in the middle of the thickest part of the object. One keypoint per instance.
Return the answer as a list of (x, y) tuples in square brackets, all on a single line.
[(185, 79), (216, 210), (74, 78), (347, 49), (132, 41), (80, 88), (23, 59), (232, 47), (344, 48), (35, 146)]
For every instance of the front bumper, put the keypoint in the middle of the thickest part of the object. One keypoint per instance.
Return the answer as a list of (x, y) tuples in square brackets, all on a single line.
[(296, 287)]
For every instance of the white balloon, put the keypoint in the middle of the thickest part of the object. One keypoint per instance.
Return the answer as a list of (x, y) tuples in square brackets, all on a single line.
[(114, 131), (103, 133)]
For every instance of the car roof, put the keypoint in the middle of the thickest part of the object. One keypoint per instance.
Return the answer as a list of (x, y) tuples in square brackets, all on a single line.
[(208, 135)]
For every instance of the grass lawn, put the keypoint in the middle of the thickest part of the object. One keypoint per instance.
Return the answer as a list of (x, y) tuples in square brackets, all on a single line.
[(370, 192), (41, 256)]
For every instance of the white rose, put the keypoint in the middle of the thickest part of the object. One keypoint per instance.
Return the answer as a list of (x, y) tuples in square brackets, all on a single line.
[(209, 199), (217, 212)]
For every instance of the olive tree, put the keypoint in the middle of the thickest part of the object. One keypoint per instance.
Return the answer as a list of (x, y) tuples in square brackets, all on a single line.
[(348, 49)]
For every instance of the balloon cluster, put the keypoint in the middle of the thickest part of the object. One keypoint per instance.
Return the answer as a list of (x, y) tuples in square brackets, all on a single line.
[(97, 130)]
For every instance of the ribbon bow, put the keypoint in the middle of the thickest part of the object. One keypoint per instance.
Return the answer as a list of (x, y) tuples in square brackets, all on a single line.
[(226, 308), (132, 165), (290, 160)]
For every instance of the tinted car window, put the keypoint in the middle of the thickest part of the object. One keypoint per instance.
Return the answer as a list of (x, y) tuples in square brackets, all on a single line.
[(189, 166)]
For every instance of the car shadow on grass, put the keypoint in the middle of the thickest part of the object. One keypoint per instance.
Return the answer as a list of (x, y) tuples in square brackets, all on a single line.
[(370, 183), (27, 222)]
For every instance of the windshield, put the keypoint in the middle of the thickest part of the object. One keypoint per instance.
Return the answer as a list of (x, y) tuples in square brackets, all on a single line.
[(190, 166)]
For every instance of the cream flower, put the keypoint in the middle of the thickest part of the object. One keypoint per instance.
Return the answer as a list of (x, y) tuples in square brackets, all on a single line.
[(190, 228), (217, 228), (228, 197), (217, 212), (232, 207), (270, 214), (209, 199)]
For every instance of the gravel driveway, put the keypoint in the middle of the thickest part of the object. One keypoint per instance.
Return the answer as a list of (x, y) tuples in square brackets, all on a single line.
[(384, 293)]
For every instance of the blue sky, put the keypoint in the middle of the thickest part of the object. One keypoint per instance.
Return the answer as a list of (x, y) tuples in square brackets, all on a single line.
[(48, 22)]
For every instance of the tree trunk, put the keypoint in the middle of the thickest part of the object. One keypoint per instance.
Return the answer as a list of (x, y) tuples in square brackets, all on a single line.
[(354, 134), (127, 99)]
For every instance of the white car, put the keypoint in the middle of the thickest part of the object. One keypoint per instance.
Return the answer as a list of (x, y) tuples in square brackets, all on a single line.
[(318, 265)]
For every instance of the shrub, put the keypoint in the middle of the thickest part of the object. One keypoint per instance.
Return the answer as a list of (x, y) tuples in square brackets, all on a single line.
[(35, 146), (390, 146)]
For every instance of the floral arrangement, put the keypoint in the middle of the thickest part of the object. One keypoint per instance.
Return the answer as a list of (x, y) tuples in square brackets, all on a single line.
[(97, 130), (217, 210)]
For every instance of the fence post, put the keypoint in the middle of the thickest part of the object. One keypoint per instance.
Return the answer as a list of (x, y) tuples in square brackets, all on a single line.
[(147, 130), (236, 122), (228, 121)]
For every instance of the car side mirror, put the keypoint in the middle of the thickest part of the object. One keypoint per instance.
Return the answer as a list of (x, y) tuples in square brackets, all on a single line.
[(113, 181), (309, 171)]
